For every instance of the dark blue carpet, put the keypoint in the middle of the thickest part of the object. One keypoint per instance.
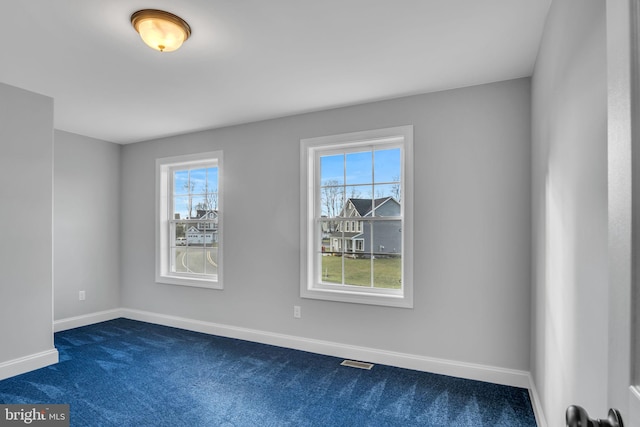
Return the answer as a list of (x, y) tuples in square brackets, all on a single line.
[(129, 373)]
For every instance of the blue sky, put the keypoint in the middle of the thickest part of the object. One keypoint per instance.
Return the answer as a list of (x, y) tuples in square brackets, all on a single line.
[(200, 179), (357, 167)]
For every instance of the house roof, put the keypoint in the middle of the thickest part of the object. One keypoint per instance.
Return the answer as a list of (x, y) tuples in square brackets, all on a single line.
[(364, 206), (203, 214)]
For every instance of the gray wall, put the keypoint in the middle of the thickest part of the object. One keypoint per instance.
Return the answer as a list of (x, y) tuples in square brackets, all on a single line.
[(26, 138), (86, 225), (570, 241), (472, 228)]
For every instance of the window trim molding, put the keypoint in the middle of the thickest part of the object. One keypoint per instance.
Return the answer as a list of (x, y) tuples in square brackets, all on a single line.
[(308, 286), (162, 215)]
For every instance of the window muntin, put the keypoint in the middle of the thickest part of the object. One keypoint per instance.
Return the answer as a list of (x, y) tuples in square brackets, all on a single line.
[(365, 192), (189, 226), (194, 224), (355, 214)]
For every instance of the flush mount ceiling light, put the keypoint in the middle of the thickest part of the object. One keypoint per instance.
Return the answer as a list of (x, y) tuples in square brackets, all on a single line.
[(160, 30)]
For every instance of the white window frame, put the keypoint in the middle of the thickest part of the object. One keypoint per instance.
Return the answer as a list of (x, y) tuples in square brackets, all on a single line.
[(164, 168), (310, 258)]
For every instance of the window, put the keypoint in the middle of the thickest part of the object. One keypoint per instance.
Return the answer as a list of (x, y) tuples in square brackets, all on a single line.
[(357, 217), (189, 220)]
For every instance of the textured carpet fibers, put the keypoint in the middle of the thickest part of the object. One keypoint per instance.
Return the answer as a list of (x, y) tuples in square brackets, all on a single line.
[(128, 373)]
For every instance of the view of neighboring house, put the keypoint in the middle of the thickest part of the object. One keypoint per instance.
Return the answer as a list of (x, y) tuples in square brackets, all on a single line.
[(205, 232), (353, 234)]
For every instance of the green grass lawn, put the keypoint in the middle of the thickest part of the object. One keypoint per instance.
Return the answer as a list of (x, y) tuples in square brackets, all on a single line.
[(387, 272)]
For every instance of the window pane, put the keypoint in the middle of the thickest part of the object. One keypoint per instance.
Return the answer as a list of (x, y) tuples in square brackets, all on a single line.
[(211, 266), (389, 190), (336, 234), (195, 260), (331, 270), (181, 182), (179, 260), (386, 242), (212, 187), (332, 170), (327, 233), (210, 232), (181, 207), (179, 234), (211, 223), (386, 202), (386, 237), (201, 206), (195, 235), (212, 200), (357, 270), (324, 230), (198, 178), (359, 169), (387, 271), (212, 179), (387, 165), (359, 192), (331, 200)]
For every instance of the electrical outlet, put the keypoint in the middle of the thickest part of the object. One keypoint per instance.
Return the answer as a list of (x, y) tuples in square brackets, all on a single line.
[(297, 313), (81, 296)]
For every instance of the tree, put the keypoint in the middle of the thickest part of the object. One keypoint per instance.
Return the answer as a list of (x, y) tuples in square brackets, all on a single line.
[(332, 202), (188, 188), (332, 198), (354, 193), (395, 189), (210, 203), (212, 199)]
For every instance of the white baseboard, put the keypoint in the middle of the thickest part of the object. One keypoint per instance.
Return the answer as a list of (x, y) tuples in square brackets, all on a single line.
[(86, 319), (492, 374), (504, 376), (536, 404), (633, 412), (28, 363)]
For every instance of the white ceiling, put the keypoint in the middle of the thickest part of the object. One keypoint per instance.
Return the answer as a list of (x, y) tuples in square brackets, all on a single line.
[(250, 60)]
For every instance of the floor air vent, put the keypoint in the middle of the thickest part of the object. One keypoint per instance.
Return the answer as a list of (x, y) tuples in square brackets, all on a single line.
[(354, 364)]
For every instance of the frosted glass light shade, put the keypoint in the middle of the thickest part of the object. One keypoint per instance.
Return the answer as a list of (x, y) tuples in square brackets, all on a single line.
[(160, 30)]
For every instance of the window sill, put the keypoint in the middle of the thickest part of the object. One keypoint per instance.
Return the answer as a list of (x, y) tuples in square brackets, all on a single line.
[(339, 295), (189, 281)]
